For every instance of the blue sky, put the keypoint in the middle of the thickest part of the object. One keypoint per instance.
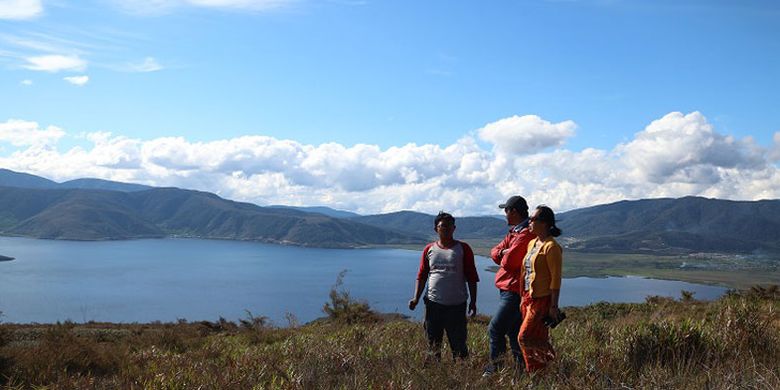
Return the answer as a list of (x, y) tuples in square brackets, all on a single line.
[(316, 102)]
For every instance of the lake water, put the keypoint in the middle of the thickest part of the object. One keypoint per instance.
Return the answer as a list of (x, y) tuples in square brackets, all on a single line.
[(170, 279)]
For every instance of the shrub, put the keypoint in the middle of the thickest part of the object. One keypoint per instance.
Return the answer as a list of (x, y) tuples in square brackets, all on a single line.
[(343, 308), (658, 300), (746, 326), (667, 344), (609, 311), (60, 352), (687, 296)]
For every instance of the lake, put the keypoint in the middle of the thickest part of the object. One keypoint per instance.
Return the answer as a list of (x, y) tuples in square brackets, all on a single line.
[(170, 279)]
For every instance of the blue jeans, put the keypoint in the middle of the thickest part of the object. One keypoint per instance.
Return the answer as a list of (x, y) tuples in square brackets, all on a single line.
[(506, 323)]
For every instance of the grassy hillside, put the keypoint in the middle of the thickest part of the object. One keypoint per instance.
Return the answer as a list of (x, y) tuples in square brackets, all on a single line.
[(689, 224), (9, 178), (421, 224), (79, 214), (727, 344), (728, 270)]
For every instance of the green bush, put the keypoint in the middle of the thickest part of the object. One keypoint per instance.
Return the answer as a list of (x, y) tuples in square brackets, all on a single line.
[(343, 308), (667, 344), (747, 326), (60, 352)]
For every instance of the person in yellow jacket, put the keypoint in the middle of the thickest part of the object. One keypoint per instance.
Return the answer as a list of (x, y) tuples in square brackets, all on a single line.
[(541, 287)]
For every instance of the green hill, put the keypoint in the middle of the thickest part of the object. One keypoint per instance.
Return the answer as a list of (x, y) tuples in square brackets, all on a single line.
[(422, 224), (9, 178), (690, 224), (92, 209), (80, 214)]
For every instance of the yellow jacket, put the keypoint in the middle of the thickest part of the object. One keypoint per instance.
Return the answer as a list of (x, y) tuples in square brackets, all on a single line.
[(546, 266)]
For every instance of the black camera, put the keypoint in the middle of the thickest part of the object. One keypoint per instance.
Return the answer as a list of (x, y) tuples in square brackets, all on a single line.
[(553, 322)]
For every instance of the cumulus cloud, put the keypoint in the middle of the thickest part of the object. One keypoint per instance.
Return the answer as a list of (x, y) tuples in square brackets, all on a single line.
[(26, 82), (77, 80), (55, 63), (677, 155), (20, 9), (26, 133), (685, 148), (524, 134)]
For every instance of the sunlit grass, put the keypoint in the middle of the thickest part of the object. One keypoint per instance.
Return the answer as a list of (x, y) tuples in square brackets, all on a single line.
[(733, 342)]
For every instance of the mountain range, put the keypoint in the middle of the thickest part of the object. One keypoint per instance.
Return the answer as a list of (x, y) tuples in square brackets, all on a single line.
[(94, 209), (10, 178), (689, 224), (44, 209)]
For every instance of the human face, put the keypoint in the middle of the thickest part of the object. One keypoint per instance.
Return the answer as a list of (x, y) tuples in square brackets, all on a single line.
[(445, 228), (512, 216), (536, 225)]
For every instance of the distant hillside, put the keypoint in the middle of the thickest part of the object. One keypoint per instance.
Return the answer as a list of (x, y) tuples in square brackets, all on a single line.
[(689, 224), (10, 178), (95, 209), (80, 214), (100, 184), (320, 210), (422, 224)]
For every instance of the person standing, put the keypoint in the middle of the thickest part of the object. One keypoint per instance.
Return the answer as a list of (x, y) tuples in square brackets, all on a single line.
[(447, 265), (541, 289), (508, 255)]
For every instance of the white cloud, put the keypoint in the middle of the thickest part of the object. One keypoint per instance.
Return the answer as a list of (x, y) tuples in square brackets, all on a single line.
[(149, 64), (674, 156), (240, 4), (55, 63), (26, 133), (685, 148), (77, 80), (157, 7), (20, 9), (525, 134), (775, 153), (26, 82)]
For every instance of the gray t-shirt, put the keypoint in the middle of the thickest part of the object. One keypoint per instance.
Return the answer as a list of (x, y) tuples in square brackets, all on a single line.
[(447, 271)]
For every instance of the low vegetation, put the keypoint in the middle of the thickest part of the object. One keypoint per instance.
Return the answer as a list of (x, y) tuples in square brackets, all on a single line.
[(733, 342), (728, 270)]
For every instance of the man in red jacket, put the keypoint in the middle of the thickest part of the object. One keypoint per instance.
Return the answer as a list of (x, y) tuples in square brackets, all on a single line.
[(508, 255)]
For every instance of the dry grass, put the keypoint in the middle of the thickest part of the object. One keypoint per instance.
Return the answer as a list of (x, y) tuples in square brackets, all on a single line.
[(732, 343)]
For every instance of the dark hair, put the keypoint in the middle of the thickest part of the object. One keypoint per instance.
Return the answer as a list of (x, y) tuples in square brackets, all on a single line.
[(442, 215), (548, 216)]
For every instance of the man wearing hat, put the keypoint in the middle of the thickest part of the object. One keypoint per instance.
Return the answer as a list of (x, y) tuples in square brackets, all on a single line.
[(508, 255)]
